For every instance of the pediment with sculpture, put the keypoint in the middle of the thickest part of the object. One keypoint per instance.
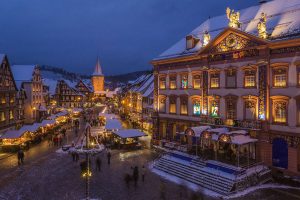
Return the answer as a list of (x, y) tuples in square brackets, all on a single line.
[(233, 42)]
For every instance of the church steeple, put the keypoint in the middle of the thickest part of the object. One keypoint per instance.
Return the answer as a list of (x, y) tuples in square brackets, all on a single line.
[(98, 69)]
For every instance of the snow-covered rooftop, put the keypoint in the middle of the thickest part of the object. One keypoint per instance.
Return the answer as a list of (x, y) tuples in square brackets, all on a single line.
[(129, 133), (282, 21), (113, 124), (12, 134)]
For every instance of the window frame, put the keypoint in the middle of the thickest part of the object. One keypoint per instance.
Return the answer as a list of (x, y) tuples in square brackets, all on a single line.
[(181, 79), (200, 79), (250, 72), (230, 73), (275, 100), (280, 66), (173, 77), (160, 81), (211, 76)]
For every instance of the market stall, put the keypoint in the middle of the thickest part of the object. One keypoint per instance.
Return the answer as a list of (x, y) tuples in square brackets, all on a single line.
[(128, 138), (11, 140)]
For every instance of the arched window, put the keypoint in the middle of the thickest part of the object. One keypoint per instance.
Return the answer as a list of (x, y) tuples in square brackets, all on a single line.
[(196, 107)]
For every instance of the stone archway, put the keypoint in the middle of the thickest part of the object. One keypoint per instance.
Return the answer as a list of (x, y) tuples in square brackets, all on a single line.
[(280, 153)]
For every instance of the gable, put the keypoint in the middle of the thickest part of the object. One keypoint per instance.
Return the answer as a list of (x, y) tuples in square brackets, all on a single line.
[(7, 81), (232, 40)]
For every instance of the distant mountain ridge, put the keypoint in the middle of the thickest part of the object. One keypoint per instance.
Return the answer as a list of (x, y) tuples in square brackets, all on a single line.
[(56, 73)]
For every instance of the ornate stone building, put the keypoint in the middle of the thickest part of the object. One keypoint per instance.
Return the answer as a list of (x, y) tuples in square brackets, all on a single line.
[(241, 71), (66, 96), (8, 93)]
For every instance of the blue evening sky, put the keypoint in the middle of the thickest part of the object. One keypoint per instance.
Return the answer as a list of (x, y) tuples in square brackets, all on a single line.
[(126, 34)]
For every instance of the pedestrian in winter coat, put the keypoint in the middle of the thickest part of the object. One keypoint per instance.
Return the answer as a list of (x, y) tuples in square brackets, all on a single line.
[(76, 156), (20, 157), (143, 173), (73, 156), (127, 180), (98, 164), (135, 175), (108, 157)]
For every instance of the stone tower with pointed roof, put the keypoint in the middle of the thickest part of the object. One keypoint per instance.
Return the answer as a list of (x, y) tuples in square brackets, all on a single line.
[(98, 79)]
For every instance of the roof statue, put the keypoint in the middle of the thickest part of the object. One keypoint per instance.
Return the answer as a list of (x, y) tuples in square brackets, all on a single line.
[(262, 27), (98, 69), (206, 38), (234, 18)]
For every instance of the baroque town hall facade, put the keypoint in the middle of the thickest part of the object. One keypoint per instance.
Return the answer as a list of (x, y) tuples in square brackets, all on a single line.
[(242, 71)]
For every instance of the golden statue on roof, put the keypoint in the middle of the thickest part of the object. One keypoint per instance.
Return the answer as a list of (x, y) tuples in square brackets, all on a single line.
[(206, 38), (234, 18), (262, 26)]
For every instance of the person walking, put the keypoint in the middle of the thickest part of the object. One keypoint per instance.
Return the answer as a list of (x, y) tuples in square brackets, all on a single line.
[(108, 157), (76, 157), (20, 157), (98, 164), (135, 175), (143, 173), (162, 191)]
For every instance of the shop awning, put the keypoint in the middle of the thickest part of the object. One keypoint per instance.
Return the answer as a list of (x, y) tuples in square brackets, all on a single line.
[(12, 134), (113, 124), (31, 128), (129, 133), (47, 122), (242, 139)]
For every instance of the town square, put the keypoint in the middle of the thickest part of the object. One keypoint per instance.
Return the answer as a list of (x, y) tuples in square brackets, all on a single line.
[(111, 100)]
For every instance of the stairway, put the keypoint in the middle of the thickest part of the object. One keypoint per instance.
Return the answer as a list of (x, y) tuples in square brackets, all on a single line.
[(194, 171)]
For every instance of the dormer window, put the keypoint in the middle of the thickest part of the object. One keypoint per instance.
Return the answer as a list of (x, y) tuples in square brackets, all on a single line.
[(191, 42)]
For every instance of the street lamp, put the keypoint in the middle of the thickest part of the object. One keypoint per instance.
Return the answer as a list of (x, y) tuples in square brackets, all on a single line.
[(89, 149)]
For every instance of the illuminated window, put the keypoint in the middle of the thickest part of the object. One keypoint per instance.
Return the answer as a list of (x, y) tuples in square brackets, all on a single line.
[(11, 114), (280, 111), (12, 99), (2, 116), (215, 80), (162, 83), (162, 105), (280, 77), (250, 78), (183, 106), (184, 81), (3, 99), (197, 81), (172, 106), (230, 78), (196, 107), (214, 109), (173, 82)]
